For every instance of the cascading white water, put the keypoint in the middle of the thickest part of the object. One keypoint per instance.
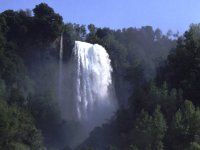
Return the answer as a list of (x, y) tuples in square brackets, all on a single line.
[(86, 94), (94, 94)]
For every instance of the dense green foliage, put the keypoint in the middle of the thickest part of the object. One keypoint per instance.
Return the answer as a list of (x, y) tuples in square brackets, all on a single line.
[(156, 76), (17, 129), (181, 69), (158, 117), (25, 47)]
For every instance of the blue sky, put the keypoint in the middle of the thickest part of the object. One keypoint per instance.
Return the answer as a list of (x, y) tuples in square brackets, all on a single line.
[(118, 14)]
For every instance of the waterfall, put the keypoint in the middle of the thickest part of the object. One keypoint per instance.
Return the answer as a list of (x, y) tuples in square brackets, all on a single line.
[(94, 94), (86, 94), (60, 78)]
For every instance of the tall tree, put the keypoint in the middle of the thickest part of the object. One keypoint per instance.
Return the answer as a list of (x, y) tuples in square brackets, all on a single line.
[(185, 129)]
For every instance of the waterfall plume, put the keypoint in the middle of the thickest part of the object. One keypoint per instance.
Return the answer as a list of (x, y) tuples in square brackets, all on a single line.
[(94, 93), (87, 95)]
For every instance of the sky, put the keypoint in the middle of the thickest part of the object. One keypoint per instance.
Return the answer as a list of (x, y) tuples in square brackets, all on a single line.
[(175, 15)]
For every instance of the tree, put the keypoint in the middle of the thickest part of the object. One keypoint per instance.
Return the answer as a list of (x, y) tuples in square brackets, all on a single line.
[(91, 36), (48, 23), (185, 129), (149, 131), (181, 70), (159, 128), (17, 129)]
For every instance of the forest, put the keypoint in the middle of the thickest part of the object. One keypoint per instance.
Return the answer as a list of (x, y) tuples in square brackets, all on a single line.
[(156, 78)]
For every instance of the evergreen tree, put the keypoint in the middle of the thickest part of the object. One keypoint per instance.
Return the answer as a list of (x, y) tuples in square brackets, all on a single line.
[(185, 130)]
